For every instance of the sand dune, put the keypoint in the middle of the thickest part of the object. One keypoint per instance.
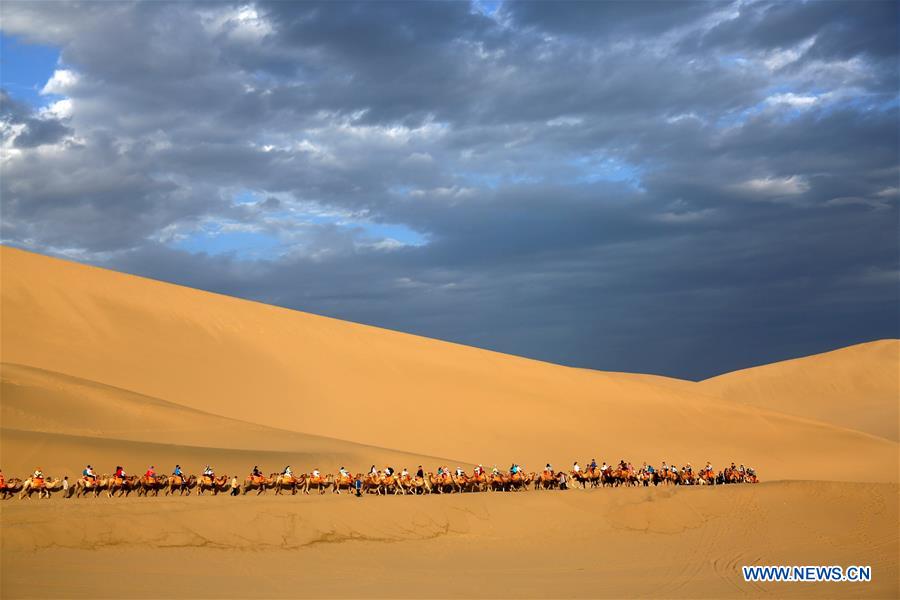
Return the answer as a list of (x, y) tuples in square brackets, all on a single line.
[(856, 387), (298, 372), (107, 368), (673, 542)]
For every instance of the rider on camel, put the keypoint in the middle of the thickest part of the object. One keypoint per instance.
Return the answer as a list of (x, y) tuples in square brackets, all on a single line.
[(576, 468), (150, 474), (549, 468), (120, 473), (38, 477), (287, 472), (176, 472), (256, 472), (420, 472), (208, 472), (88, 473)]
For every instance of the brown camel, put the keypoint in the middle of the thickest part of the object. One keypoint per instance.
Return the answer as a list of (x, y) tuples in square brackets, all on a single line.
[(258, 483), (321, 483), (181, 484), (288, 482), (42, 487), (11, 487), (152, 485), (214, 484)]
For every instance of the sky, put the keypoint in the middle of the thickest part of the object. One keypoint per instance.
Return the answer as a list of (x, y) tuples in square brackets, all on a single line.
[(680, 188)]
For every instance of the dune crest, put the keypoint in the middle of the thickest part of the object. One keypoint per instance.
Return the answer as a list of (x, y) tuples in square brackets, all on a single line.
[(857, 387)]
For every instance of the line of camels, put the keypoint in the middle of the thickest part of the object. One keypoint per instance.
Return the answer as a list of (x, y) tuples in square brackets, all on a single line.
[(376, 482)]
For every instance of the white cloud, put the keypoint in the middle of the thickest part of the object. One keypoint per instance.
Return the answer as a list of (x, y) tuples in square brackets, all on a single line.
[(61, 109), (773, 187), (792, 100), (61, 83)]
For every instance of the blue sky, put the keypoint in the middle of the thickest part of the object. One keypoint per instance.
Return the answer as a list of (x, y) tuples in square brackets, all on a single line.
[(25, 68)]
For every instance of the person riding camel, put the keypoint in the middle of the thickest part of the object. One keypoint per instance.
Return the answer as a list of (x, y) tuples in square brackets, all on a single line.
[(420, 472), (344, 472), (650, 469), (287, 472), (459, 472), (316, 473), (576, 468), (256, 472), (404, 473), (593, 466), (208, 472), (388, 471), (38, 477), (373, 471), (88, 473), (479, 470), (120, 473), (664, 468), (689, 468), (605, 466), (150, 474), (176, 472), (495, 471), (708, 467)]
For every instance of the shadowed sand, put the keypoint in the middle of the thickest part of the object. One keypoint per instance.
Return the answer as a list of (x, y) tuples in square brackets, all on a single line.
[(673, 542)]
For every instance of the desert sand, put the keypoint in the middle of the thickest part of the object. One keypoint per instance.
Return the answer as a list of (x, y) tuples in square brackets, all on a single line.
[(107, 368)]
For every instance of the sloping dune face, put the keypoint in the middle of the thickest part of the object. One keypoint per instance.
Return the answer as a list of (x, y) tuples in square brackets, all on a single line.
[(61, 423), (856, 387), (306, 374)]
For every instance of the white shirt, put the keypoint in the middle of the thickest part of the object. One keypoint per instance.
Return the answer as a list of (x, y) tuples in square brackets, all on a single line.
[(316, 473), (576, 468), (288, 472)]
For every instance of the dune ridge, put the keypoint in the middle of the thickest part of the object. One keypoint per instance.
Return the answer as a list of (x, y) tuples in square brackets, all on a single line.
[(857, 387)]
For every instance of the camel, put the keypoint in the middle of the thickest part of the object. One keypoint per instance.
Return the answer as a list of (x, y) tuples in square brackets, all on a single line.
[(343, 482), (545, 481), (83, 486), (288, 482), (43, 487), (391, 483), (182, 484), (442, 483), (707, 478), (591, 476), (124, 486), (214, 484), (11, 488), (321, 483), (152, 484), (258, 483), (415, 485)]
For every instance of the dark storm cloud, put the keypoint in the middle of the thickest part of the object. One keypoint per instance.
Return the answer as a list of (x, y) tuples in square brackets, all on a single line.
[(680, 188), (32, 131)]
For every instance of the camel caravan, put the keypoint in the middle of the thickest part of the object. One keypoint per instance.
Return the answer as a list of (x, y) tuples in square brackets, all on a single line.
[(375, 481)]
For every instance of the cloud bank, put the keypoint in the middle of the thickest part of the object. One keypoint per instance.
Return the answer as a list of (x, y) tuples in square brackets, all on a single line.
[(678, 188)]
